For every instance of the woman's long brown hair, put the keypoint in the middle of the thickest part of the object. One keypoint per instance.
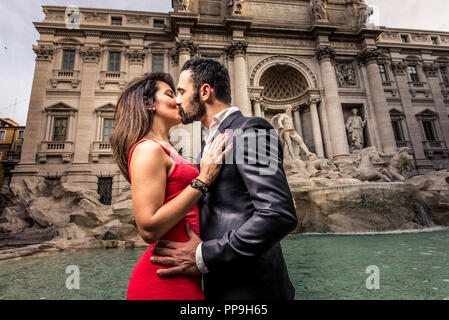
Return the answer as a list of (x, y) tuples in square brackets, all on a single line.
[(132, 118)]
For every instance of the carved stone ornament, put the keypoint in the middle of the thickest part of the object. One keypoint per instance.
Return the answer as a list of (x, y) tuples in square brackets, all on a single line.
[(325, 52), (235, 6), (368, 56), (90, 54), (173, 53), (138, 19), (346, 75), (318, 10), (44, 53), (183, 5), (388, 35), (399, 68), (237, 48), (420, 37), (431, 69), (95, 17), (136, 56), (185, 47), (55, 16)]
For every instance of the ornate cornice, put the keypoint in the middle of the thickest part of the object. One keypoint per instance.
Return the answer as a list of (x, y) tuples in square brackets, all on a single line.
[(431, 69), (44, 53), (92, 33), (237, 48), (90, 54), (325, 52), (368, 56)]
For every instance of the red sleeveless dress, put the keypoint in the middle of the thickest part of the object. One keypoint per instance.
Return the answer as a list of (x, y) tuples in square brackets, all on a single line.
[(145, 283)]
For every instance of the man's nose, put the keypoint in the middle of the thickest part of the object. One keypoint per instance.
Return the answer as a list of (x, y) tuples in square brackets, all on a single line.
[(178, 100)]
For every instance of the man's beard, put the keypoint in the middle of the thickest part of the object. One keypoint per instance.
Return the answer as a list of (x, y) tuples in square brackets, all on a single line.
[(193, 112)]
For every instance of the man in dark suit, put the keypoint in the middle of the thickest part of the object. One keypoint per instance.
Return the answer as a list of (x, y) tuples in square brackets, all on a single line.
[(246, 211)]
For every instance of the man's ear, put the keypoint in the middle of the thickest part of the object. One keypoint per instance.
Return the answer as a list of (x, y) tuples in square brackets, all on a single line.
[(206, 93)]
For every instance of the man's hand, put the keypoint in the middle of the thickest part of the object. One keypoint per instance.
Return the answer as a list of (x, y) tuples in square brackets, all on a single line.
[(179, 256)]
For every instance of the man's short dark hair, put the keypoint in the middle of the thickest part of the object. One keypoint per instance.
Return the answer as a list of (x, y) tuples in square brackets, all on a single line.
[(213, 73)]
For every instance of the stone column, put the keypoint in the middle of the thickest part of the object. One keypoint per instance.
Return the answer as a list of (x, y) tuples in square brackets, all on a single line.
[(257, 108), (369, 57), (230, 60), (238, 49), (334, 112), (33, 134), (85, 130), (325, 127), (431, 70), (297, 120), (316, 128)]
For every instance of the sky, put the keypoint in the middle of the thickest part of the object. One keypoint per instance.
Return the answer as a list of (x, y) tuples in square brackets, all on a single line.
[(18, 35)]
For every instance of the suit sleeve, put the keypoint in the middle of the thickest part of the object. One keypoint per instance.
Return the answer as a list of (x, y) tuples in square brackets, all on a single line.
[(274, 216)]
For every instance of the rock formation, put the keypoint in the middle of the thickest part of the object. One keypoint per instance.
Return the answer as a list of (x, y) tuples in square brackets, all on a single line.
[(49, 217)]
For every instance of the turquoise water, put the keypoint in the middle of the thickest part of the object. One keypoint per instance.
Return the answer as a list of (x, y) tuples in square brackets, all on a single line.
[(411, 266)]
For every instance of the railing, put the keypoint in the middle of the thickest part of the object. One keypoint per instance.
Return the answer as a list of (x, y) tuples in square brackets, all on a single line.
[(434, 145), (416, 84), (111, 74), (66, 73), (403, 144), (14, 156), (56, 147), (100, 148)]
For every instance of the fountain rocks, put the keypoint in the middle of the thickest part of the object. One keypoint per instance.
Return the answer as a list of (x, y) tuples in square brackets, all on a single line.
[(37, 216)]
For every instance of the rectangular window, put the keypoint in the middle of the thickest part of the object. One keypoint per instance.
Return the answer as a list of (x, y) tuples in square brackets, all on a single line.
[(444, 75), (383, 73), (108, 127), (68, 60), (434, 40), (104, 189), (114, 61), (1, 155), (413, 72), (20, 136), (19, 149), (429, 130), (116, 21), (60, 129), (158, 63), (158, 23), (397, 130), (404, 38), (2, 135)]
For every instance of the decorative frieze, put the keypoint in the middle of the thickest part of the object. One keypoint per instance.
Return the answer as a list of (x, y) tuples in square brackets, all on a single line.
[(420, 37), (44, 53), (346, 75), (95, 17), (138, 19), (55, 16), (325, 52), (389, 35)]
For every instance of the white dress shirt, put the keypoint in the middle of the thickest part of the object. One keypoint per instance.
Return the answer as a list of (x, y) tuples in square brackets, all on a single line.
[(216, 122)]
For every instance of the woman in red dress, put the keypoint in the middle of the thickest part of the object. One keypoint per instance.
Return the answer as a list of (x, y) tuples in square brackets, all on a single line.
[(164, 200)]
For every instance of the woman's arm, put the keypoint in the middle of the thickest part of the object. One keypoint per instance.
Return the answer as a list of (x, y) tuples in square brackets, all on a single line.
[(149, 167)]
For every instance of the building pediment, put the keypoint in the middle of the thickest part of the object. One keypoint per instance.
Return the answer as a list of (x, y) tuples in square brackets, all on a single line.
[(61, 106), (106, 108)]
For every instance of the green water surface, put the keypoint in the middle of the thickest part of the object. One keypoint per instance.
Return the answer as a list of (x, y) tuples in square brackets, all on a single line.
[(411, 266)]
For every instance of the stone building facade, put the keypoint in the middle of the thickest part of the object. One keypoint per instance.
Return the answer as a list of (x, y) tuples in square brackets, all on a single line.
[(318, 56), (11, 140)]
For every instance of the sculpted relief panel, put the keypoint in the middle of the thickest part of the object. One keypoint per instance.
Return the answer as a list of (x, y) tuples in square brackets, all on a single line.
[(298, 13)]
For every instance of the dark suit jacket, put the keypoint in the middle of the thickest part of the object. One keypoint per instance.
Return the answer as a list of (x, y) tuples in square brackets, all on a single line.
[(243, 217)]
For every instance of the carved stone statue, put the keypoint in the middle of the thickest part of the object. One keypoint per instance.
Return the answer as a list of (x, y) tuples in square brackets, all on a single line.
[(318, 9), (364, 12), (290, 139), (366, 171), (184, 5), (235, 6), (321, 167), (400, 163), (354, 126)]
